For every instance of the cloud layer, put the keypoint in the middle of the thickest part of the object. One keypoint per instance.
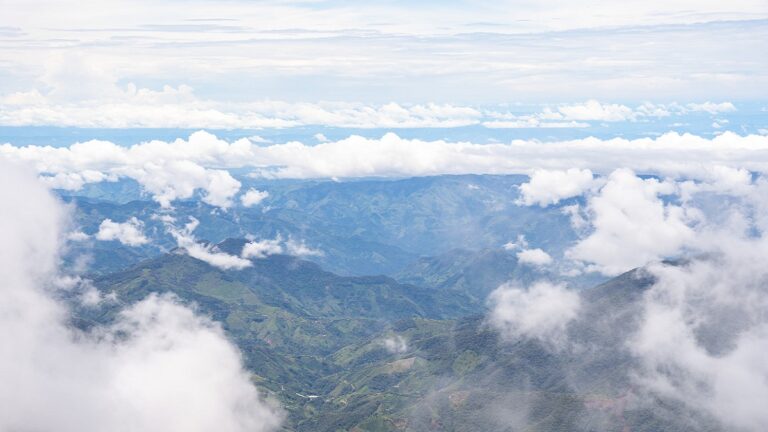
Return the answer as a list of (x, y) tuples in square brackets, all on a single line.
[(171, 107), (182, 168), (508, 51)]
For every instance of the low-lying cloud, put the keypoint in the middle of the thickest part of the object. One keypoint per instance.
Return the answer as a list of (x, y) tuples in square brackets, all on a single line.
[(129, 233), (702, 326), (253, 197), (253, 249), (632, 225), (159, 366), (541, 311), (208, 253), (535, 257)]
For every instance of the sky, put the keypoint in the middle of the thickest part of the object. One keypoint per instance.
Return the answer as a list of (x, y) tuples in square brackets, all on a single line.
[(263, 64)]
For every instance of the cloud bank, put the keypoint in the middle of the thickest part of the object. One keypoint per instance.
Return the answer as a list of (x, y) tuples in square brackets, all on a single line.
[(183, 168), (157, 367), (179, 107)]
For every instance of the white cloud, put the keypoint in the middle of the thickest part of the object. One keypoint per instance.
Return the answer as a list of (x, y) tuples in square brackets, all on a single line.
[(574, 212), (395, 344), (168, 171), (635, 221), (266, 247), (541, 311), (180, 108), (410, 53), (519, 243), (77, 236), (704, 327), (711, 107), (179, 169), (632, 225), (263, 248), (579, 115), (158, 367), (549, 187), (203, 252), (536, 257), (128, 233), (594, 110), (300, 249), (529, 122), (253, 197)]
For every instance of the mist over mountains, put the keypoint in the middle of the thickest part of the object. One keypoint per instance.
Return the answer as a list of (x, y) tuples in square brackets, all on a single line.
[(327, 216), (416, 304)]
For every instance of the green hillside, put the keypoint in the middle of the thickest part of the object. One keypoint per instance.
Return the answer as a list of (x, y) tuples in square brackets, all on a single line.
[(372, 354)]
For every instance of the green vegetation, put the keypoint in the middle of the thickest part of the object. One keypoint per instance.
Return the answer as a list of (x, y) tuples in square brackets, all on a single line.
[(317, 342)]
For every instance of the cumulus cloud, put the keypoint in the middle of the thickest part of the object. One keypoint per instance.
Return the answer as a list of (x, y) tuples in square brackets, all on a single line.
[(168, 171), (207, 253), (702, 327), (159, 366), (128, 233), (549, 187), (535, 257), (541, 311), (175, 170), (632, 225), (183, 168), (253, 197), (629, 221)]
